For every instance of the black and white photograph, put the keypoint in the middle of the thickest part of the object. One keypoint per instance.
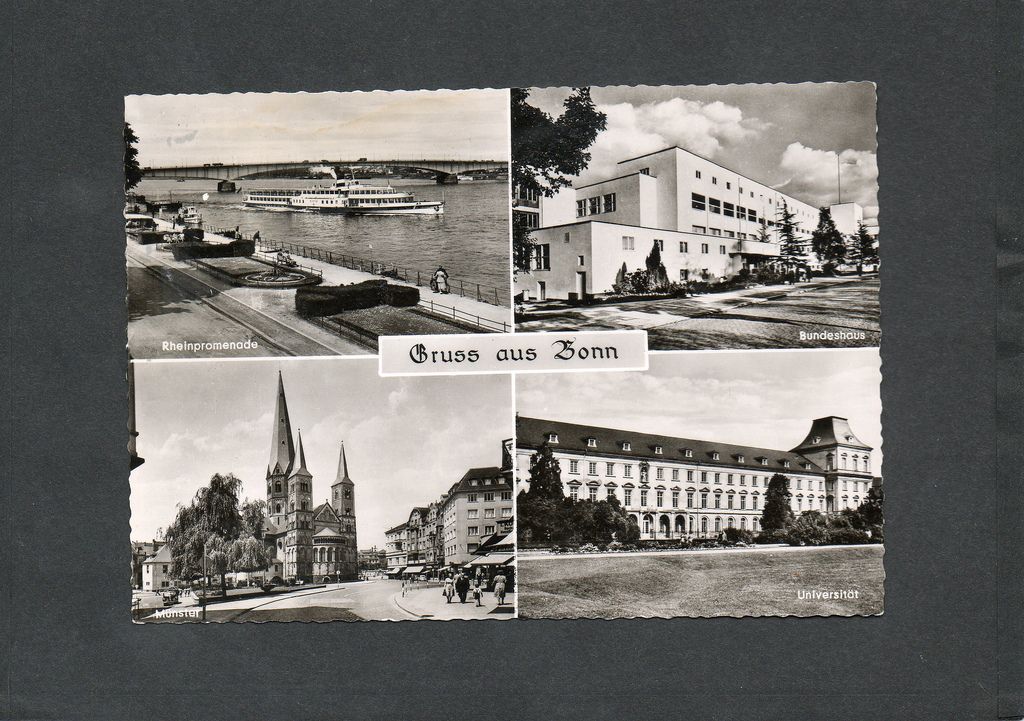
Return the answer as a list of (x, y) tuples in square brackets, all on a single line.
[(726, 483), (713, 217), (310, 224), (314, 490)]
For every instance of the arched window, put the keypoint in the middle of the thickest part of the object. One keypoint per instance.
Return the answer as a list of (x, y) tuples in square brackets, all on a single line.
[(753, 523), (704, 525), (743, 523), (732, 522), (718, 524)]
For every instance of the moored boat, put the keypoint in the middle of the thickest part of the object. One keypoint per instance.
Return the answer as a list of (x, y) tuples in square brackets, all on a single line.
[(347, 196)]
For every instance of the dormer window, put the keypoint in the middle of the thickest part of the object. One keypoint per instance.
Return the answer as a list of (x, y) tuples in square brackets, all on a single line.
[(817, 439), (740, 458), (688, 452), (715, 455), (785, 464), (626, 446), (657, 450), (591, 443), (552, 438), (764, 461)]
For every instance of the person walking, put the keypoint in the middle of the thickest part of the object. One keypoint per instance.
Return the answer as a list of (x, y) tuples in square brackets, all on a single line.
[(499, 587), (440, 279), (449, 589), (462, 586), (478, 591)]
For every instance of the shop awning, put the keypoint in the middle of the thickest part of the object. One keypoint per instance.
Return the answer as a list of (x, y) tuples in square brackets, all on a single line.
[(414, 569), (395, 571), (492, 559)]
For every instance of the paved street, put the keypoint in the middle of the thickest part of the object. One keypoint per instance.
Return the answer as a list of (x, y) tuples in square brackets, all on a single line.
[(767, 317), (378, 600)]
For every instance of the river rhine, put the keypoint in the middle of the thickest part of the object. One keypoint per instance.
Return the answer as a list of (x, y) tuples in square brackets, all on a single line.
[(471, 238)]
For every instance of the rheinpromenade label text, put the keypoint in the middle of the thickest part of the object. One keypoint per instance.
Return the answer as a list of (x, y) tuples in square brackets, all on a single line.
[(513, 353)]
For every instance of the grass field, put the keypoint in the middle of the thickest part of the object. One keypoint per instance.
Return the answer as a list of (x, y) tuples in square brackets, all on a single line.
[(755, 582)]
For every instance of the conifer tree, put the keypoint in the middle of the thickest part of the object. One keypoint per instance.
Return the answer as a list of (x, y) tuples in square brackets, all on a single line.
[(790, 248), (778, 513), (656, 272), (132, 171), (826, 241), (864, 246)]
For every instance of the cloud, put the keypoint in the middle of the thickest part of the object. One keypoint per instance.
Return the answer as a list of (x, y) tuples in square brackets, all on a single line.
[(704, 128), (813, 177), (181, 139)]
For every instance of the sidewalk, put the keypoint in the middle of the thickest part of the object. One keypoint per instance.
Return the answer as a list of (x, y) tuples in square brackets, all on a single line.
[(429, 603)]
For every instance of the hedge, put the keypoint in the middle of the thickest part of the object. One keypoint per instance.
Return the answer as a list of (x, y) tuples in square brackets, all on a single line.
[(199, 249), (331, 300)]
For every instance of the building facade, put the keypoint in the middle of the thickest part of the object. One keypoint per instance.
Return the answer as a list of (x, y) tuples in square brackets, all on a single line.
[(683, 488), (157, 570), (310, 543), (478, 506), (395, 549), (706, 220)]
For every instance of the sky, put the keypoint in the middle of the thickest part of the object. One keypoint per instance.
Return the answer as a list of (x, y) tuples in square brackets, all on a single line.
[(765, 399), (407, 440), (292, 127), (786, 136)]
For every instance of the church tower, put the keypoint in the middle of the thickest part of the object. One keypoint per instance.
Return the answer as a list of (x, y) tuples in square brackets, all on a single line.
[(343, 499), (282, 455), (299, 536)]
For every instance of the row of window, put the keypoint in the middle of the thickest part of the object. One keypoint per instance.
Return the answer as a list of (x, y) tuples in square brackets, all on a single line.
[(730, 210), (488, 496), (647, 527), (592, 466), (474, 513), (596, 205), (475, 530)]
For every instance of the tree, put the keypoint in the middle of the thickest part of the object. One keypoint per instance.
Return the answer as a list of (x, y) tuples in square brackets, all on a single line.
[(211, 520), (777, 514), (826, 241), (791, 252), (862, 247), (545, 474), (132, 171), (656, 273), (763, 236), (254, 513), (871, 508), (547, 151), (248, 553)]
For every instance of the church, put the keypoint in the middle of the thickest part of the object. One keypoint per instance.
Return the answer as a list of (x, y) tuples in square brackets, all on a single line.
[(308, 544)]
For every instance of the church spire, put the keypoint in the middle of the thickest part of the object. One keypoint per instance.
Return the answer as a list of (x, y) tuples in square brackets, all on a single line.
[(342, 468), (301, 468), (282, 448)]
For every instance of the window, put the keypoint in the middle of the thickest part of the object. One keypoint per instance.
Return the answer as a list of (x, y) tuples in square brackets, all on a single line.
[(489, 496), (473, 513), (659, 474), (645, 171), (689, 475), (542, 256), (715, 456), (675, 499), (741, 212), (506, 495), (609, 469), (591, 443), (718, 500), (785, 464), (728, 479), (628, 472), (611, 494), (715, 205), (574, 466), (574, 493), (718, 478), (675, 474), (703, 247), (764, 461), (581, 208), (703, 476), (657, 450), (609, 203), (473, 530), (594, 205), (704, 500), (660, 244), (592, 491), (579, 261), (728, 209), (699, 229), (730, 234), (627, 496), (660, 496), (753, 502), (488, 530), (698, 175), (626, 446), (592, 468), (689, 454), (714, 180), (689, 499), (684, 247), (488, 513), (721, 250), (628, 242), (729, 500), (506, 512), (715, 231), (552, 438), (743, 502), (698, 201)]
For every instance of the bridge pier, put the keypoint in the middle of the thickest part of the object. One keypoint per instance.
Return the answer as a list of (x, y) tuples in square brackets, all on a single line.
[(447, 178)]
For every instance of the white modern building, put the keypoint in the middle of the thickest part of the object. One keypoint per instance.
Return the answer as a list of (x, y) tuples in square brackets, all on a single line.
[(706, 220), (683, 487)]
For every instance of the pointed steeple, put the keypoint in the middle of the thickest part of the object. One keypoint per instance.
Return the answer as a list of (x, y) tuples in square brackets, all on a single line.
[(282, 448), (343, 468), (301, 468)]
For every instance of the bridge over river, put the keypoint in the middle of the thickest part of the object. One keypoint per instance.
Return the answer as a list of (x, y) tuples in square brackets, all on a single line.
[(447, 170)]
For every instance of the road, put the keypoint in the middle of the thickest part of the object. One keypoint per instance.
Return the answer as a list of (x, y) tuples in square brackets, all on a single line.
[(826, 313)]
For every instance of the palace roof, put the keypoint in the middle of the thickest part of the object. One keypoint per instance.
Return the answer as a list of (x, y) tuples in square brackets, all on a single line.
[(611, 442), (830, 431)]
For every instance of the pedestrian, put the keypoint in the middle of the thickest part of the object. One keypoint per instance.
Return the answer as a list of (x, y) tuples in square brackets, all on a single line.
[(405, 586), (462, 586), (449, 589), (440, 278), (478, 592), (256, 236), (499, 587)]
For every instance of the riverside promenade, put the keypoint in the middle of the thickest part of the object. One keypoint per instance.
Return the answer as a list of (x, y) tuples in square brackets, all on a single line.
[(193, 305)]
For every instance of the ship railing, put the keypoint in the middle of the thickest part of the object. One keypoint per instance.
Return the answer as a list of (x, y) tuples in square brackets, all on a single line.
[(461, 316), (477, 291)]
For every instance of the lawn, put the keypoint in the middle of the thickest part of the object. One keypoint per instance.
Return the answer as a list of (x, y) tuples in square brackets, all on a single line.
[(755, 582)]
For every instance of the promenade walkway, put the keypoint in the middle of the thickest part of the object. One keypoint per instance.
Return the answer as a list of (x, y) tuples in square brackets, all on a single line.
[(428, 602)]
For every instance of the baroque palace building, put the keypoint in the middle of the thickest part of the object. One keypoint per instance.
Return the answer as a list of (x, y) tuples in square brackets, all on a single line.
[(705, 218), (308, 543), (682, 488)]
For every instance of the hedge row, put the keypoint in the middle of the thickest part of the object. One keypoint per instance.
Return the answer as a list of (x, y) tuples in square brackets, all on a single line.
[(331, 300), (199, 249)]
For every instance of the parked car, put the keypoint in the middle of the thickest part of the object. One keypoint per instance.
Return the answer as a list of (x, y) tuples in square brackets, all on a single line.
[(169, 596)]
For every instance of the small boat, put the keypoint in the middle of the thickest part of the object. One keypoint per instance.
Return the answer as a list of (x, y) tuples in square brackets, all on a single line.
[(190, 215)]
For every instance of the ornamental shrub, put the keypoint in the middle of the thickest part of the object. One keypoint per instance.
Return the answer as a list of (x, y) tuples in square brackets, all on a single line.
[(738, 535), (331, 300), (401, 296)]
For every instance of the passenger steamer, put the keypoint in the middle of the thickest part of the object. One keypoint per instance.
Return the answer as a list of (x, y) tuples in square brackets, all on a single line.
[(347, 196)]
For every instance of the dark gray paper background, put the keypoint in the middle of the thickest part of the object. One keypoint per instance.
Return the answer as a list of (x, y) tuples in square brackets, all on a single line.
[(948, 645)]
